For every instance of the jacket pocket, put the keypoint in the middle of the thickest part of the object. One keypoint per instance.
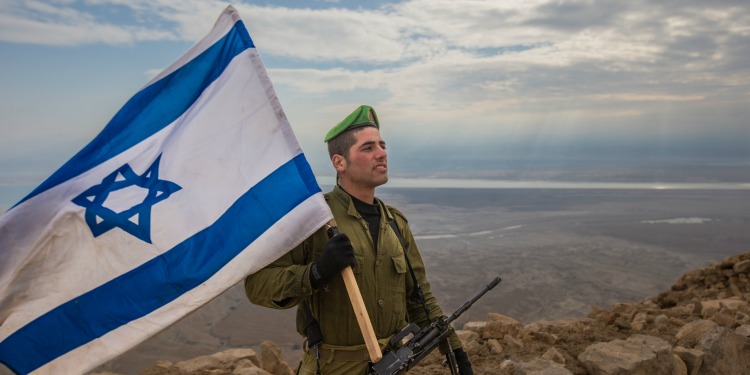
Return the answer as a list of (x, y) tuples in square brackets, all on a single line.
[(399, 263)]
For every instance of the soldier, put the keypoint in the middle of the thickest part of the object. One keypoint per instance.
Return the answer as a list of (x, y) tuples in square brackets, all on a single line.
[(376, 241)]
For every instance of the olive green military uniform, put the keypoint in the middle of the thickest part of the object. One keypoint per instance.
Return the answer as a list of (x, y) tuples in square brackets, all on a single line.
[(383, 279)]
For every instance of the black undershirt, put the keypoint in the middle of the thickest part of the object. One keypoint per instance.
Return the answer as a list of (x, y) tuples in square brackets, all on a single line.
[(371, 214)]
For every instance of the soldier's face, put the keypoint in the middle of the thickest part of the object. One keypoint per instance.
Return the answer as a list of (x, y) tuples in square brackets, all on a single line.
[(367, 165)]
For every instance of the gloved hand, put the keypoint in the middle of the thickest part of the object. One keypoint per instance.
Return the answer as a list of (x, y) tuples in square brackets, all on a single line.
[(337, 255), (462, 360)]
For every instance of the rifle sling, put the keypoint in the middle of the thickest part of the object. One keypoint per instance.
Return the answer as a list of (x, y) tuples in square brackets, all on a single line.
[(419, 297)]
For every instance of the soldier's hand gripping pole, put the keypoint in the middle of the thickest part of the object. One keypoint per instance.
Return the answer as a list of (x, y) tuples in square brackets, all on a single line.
[(358, 304)]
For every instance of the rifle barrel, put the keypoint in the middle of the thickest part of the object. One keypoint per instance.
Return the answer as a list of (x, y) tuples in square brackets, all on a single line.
[(470, 302)]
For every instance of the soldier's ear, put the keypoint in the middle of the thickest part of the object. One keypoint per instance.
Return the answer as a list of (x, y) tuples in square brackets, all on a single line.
[(339, 163)]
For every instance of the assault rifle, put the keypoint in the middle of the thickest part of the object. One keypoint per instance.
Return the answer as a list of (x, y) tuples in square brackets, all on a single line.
[(397, 360)]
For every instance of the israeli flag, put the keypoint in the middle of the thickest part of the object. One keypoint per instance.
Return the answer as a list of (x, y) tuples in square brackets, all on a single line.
[(196, 182)]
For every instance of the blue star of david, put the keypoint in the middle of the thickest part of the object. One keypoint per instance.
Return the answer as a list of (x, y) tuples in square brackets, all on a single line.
[(101, 219)]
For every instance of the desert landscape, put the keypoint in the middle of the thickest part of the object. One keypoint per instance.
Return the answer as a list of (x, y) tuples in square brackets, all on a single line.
[(559, 252)]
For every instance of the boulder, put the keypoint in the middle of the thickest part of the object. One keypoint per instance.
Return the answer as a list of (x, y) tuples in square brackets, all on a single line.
[(499, 326), (221, 360), (540, 366), (638, 354), (512, 342), (467, 336), (661, 321), (723, 319), (554, 355), (494, 346), (679, 367), (474, 348), (743, 330), (741, 267), (690, 334), (692, 358), (732, 305), (639, 321), (477, 327), (273, 360), (725, 352), (248, 371)]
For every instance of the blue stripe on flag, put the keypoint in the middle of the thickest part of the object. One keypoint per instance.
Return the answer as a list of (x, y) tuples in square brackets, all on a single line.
[(154, 107), (164, 278)]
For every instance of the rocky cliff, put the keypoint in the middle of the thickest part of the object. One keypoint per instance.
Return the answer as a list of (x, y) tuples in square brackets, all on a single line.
[(700, 326)]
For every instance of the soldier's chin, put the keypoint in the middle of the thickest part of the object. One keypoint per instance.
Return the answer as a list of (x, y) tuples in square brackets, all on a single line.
[(383, 180)]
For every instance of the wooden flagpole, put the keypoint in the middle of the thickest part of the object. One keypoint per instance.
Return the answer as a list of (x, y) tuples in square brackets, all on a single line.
[(355, 296)]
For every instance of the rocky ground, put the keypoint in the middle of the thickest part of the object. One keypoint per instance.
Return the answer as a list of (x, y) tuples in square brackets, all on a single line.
[(700, 326)]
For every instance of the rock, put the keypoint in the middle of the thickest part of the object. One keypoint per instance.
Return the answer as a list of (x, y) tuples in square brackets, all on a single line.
[(231, 355), (731, 304), (512, 342), (661, 321), (467, 336), (639, 321), (553, 354), (221, 360), (249, 371), (547, 338), (477, 327), (677, 322), (540, 366), (158, 369), (601, 315), (624, 308), (273, 360), (723, 320), (637, 355), (742, 267), (198, 363), (509, 367), (725, 352), (495, 347), (679, 367), (500, 325), (681, 311), (706, 315), (692, 358), (690, 334), (743, 330), (622, 324), (659, 346), (474, 348), (736, 291)]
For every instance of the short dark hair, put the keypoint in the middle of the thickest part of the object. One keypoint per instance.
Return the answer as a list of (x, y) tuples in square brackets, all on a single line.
[(342, 143)]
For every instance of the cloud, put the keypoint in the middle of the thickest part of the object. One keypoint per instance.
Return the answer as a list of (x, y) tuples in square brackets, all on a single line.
[(532, 72), (62, 24)]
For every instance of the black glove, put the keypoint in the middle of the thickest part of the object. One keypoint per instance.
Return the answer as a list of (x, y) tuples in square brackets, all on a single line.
[(462, 360), (337, 255)]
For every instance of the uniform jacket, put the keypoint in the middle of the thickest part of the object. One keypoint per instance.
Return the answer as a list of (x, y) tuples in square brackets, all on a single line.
[(382, 275)]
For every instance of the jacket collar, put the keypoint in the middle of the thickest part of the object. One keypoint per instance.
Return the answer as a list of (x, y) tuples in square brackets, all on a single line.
[(344, 198)]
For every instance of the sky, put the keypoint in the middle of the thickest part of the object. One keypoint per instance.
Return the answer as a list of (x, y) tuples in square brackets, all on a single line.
[(508, 89)]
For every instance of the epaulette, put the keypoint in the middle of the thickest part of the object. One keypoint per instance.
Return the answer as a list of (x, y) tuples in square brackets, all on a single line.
[(396, 211)]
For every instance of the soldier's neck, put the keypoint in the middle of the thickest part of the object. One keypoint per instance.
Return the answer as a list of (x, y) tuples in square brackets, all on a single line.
[(366, 195)]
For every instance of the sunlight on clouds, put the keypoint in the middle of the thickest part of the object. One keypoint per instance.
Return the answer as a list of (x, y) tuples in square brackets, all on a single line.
[(317, 81), (647, 97), (329, 35), (536, 69), (36, 22)]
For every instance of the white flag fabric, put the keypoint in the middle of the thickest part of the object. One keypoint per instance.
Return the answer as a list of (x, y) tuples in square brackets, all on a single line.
[(195, 183)]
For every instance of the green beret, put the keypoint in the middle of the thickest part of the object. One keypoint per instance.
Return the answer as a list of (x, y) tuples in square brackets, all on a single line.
[(361, 117)]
